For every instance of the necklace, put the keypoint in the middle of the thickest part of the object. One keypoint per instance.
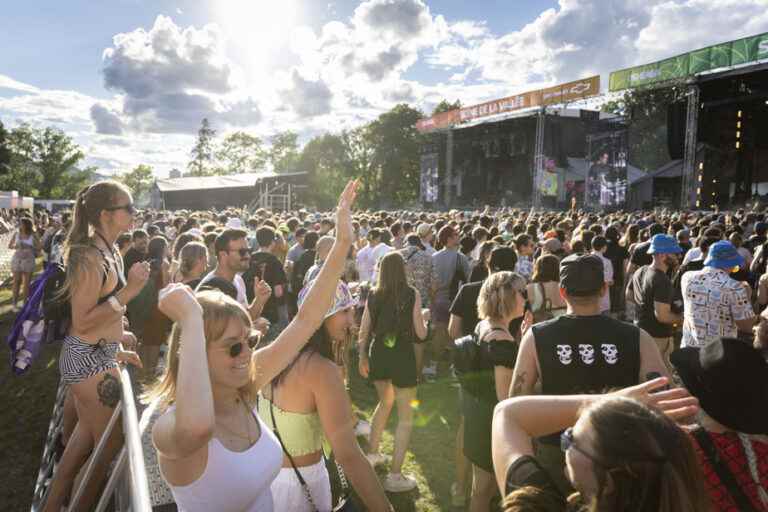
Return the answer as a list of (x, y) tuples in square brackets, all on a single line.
[(239, 435)]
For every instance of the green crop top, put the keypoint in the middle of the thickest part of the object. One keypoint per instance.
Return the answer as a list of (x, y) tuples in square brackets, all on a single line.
[(302, 433)]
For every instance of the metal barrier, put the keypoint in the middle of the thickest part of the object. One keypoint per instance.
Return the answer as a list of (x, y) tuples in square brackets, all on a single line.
[(126, 482)]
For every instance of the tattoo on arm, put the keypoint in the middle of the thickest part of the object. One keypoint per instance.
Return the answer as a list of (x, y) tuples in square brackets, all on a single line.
[(519, 382), (109, 391)]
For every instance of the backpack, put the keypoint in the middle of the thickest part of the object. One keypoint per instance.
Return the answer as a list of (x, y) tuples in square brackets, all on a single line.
[(30, 327), (55, 308), (544, 313), (466, 357)]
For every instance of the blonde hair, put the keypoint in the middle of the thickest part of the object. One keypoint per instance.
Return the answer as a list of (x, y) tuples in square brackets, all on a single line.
[(190, 254), (218, 309), (497, 298), (78, 252)]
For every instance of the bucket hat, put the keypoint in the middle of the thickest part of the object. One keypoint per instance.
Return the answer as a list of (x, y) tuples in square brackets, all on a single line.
[(723, 254), (664, 244)]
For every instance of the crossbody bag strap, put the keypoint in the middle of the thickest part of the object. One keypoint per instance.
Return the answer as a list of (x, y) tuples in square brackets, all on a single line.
[(303, 482), (726, 476)]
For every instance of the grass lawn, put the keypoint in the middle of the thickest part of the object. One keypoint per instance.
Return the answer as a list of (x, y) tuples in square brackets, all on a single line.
[(28, 400), (430, 457)]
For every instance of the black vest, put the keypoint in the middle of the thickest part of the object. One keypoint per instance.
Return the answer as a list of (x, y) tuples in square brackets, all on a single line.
[(586, 355)]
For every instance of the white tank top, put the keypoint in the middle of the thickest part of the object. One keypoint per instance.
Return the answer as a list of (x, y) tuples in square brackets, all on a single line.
[(234, 481)]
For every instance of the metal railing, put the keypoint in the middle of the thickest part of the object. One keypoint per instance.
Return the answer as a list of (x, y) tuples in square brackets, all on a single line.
[(128, 479)]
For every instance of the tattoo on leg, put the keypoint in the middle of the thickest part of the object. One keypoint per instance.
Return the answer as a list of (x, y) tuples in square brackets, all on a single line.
[(109, 391), (517, 386)]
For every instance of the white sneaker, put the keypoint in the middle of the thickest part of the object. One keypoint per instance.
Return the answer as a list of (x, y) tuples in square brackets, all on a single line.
[(458, 496), (362, 429), (376, 459), (399, 483)]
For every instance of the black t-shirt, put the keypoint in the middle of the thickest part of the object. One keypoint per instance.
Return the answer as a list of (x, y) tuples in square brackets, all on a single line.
[(132, 256), (677, 284), (465, 306), (640, 255), (617, 255), (267, 267), (651, 285), (526, 471), (479, 273)]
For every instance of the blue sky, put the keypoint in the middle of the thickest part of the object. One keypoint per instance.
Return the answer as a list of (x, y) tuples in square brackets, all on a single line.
[(130, 80)]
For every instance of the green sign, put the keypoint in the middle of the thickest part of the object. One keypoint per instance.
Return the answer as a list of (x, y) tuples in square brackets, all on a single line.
[(734, 53)]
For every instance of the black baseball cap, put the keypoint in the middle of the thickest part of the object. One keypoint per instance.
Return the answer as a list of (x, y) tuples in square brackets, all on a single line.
[(581, 275)]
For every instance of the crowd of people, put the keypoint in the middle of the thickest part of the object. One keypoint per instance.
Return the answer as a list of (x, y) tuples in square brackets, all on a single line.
[(605, 361)]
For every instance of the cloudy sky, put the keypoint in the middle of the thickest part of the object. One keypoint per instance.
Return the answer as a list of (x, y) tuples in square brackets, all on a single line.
[(130, 80)]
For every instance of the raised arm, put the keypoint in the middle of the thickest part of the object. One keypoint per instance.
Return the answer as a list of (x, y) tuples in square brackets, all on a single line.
[(181, 432), (272, 359), (517, 420)]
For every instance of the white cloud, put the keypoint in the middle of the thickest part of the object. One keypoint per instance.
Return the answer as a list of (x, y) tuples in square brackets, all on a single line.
[(308, 98), (7, 82), (172, 78)]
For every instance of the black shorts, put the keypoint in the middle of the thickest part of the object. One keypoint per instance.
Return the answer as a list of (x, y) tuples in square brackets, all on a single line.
[(393, 361)]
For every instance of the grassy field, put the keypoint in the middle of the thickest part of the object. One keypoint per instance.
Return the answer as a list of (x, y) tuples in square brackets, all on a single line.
[(27, 402)]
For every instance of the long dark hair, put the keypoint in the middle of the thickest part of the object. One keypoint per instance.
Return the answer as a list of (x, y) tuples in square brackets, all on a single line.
[(319, 343), (650, 462)]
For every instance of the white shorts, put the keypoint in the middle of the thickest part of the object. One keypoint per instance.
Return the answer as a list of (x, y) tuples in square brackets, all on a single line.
[(288, 492)]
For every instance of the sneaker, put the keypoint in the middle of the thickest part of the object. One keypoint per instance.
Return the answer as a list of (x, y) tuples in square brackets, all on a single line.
[(376, 459), (399, 483), (458, 496), (362, 429), (430, 372)]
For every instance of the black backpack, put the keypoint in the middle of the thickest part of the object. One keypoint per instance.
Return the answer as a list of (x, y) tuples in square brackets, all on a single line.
[(457, 280), (56, 306)]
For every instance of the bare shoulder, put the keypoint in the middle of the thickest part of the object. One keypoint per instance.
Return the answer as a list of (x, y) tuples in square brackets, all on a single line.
[(321, 371)]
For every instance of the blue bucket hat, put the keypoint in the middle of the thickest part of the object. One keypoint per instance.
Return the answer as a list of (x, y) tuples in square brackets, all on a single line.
[(664, 244), (723, 254)]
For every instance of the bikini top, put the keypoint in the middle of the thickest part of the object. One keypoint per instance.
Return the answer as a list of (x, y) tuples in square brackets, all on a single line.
[(106, 266)]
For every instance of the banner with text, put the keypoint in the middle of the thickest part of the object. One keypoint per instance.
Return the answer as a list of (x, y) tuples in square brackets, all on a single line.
[(733, 53), (564, 93)]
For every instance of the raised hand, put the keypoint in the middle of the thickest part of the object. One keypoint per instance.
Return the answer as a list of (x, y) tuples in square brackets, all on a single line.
[(344, 230), (138, 275), (261, 289), (676, 403), (129, 357), (177, 302)]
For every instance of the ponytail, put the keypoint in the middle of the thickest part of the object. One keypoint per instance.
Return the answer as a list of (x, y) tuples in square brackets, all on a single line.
[(79, 232)]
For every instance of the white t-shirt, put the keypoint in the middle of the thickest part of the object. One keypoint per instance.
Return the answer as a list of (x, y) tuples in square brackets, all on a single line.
[(605, 301), (364, 262), (377, 253)]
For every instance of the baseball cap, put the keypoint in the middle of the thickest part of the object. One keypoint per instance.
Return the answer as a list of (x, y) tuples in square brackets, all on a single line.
[(581, 275)]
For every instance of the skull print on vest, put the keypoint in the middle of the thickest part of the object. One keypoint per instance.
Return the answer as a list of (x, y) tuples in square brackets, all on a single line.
[(610, 353), (564, 353), (587, 353)]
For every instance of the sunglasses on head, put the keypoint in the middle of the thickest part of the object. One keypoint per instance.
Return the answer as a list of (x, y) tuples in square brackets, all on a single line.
[(130, 208), (243, 252), (236, 349)]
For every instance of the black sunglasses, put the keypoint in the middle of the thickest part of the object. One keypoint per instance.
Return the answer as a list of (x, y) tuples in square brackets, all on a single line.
[(127, 207), (567, 441), (237, 349), (243, 252)]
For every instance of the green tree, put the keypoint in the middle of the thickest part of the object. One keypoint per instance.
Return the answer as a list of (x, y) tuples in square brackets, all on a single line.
[(44, 163), (139, 180), (325, 158), (241, 152), (203, 151), (5, 151), (445, 106), (284, 152), (394, 175)]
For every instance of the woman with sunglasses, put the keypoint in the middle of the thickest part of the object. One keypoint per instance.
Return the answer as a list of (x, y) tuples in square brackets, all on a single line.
[(623, 451), (307, 403), (501, 300), (97, 293), (213, 449)]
